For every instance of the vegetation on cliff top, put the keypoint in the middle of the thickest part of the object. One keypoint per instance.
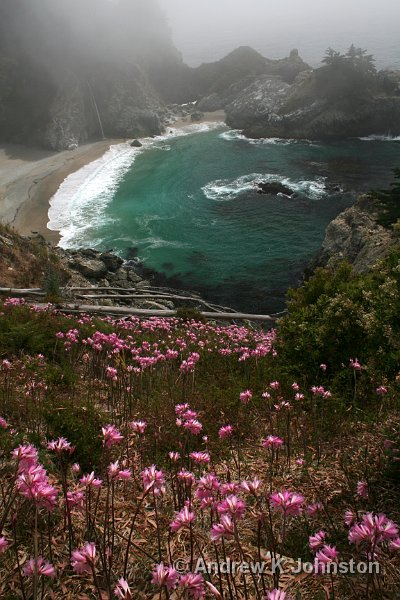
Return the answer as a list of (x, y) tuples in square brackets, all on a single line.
[(262, 441)]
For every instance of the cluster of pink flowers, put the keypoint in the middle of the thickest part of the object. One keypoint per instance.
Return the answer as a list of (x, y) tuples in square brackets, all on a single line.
[(272, 441), (32, 480), (246, 396), (153, 480), (187, 418), (83, 560), (111, 436), (374, 530), (289, 503)]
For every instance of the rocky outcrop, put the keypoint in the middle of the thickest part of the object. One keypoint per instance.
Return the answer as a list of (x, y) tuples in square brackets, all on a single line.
[(356, 236), (314, 107)]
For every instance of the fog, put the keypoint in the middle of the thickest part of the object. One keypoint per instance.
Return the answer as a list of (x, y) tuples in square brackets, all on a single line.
[(207, 30)]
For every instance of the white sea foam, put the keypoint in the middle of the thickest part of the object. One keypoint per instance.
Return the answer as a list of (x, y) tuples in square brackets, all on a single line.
[(380, 138), (236, 134), (223, 190), (80, 202)]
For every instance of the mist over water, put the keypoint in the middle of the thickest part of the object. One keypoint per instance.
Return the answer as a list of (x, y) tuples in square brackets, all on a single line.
[(207, 31)]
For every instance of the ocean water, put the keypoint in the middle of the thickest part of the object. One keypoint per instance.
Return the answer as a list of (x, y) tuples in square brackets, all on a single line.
[(186, 205)]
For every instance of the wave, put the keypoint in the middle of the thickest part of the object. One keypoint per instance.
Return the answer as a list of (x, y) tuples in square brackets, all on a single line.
[(78, 206), (380, 138), (223, 190), (236, 134)]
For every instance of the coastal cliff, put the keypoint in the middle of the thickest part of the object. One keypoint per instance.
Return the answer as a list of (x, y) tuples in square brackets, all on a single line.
[(357, 236), (346, 97)]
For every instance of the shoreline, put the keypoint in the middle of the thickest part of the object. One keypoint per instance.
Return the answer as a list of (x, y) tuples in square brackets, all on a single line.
[(29, 177)]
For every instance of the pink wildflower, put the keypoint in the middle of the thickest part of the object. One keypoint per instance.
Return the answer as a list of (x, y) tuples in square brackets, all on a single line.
[(393, 544), (272, 441), (362, 489), (326, 555), (60, 445), (251, 487), (4, 543), (193, 425), (3, 423), (182, 519), (138, 426), (225, 431), (164, 576), (317, 540), (200, 457), (290, 503), (224, 529), (232, 505), (153, 480), (91, 481), (193, 584), (111, 436), (84, 559), (246, 396), (277, 595), (122, 590), (39, 566), (354, 364)]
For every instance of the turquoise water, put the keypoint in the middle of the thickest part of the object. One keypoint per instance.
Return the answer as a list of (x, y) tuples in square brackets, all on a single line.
[(188, 208)]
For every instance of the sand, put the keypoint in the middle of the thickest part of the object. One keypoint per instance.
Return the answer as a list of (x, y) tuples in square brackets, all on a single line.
[(29, 177)]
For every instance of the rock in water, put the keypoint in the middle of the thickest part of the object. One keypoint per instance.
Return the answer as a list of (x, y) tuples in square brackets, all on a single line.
[(136, 144), (273, 187)]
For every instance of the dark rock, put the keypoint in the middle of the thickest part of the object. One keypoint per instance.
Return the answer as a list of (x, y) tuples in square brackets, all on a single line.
[(273, 187), (136, 144), (111, 261), (196, 116), (90, 268)]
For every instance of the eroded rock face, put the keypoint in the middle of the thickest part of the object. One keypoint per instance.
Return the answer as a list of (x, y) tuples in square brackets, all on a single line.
[(355, 236)]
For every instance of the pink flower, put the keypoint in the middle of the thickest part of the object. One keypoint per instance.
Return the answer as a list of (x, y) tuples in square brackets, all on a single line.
[(4, 543), (313, 509), (323, 367), (193, 584), (277, 595), (251, 487), (138, 426), (214, 590), (290, 503), (153, 480), (182, 519), (61, 445), (362, 489), (3, 423), (295, 386), (224, 529), (174, 456), (354, 364), (164, 576), (186, 476), (84, 559), (200, 457), (232, 505), (26, 456), (75, 500), (274, 385), (225, 431), (39, 566), (193, 425), (91, 481), (76, 468), (373, 530), (272, 441), (246, 396), (393, 544), (33, 484), (317, 540), (326, 555), (349, 517), (123, 591), (111, 436), (381, 390)]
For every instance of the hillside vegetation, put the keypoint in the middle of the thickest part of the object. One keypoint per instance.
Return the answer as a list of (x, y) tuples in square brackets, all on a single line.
[(134, 452)]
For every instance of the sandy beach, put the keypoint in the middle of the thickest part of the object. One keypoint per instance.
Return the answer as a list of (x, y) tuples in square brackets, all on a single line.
[(29, 177)]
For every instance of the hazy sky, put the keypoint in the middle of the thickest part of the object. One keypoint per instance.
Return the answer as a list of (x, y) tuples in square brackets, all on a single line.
[(205, 30)]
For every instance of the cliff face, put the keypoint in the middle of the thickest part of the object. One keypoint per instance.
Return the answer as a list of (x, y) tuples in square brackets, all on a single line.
[(357, 237), (70, 73), (327, 103)]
